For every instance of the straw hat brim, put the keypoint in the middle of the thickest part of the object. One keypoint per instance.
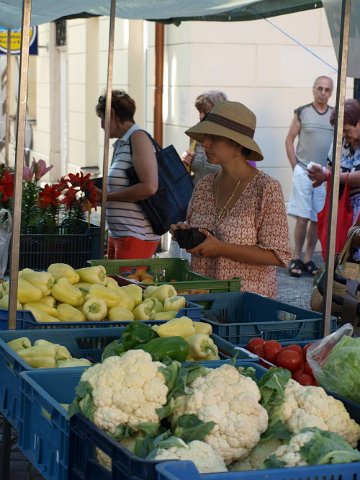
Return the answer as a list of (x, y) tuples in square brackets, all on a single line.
[(198, 132)]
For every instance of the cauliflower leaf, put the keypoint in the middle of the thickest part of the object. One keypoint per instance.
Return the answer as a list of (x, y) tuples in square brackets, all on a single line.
[(328, 447), (313, 446), (190, 427), (272, 387)]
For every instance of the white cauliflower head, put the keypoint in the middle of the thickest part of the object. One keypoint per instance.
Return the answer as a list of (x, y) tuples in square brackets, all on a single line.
[(126, 390), (202, 454), (231, 400), (257, 456), (290, 454), (309, 406)]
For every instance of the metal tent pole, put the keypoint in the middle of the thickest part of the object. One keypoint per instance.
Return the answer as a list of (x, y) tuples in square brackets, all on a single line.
[(335, 174), (107, 124), (19, 160)]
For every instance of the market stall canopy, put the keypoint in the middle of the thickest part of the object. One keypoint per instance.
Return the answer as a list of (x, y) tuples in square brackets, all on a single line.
[(175, 11), (333, 14)]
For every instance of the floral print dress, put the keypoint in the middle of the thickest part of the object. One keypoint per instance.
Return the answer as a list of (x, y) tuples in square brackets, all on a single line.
[(350, 162), (257, 218)]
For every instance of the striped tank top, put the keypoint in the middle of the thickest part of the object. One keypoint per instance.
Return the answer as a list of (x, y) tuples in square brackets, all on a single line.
[(125, 219)]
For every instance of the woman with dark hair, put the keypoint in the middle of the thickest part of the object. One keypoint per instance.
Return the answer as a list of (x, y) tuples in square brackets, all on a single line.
[(240, 209), (350, 155), (130, 234)]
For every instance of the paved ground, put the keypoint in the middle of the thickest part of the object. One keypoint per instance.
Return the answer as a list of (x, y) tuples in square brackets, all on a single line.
[(292, 290), (297, 290)]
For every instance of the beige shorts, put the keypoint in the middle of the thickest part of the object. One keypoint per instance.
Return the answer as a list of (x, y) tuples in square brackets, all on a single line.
[(305, 200)]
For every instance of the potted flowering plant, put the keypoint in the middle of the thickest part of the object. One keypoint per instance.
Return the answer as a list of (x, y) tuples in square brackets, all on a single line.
[(55, 218), (6, 187), (67, 203), (45, 208)]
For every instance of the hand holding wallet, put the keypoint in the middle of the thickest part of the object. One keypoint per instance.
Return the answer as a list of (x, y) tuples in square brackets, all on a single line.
[(189, 238)]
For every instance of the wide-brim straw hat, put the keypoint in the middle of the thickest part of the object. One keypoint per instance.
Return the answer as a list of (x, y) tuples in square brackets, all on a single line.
[(231, 120)]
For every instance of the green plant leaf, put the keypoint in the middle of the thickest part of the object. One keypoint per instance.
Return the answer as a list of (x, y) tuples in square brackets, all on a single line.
[(190, 427), (273, 462), (272, 387), (328, 447)]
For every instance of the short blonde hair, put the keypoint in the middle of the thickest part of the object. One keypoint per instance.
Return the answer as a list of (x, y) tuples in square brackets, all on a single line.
[(205, 101)]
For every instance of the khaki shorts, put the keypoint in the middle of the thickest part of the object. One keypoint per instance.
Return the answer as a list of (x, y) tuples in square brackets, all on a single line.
[(305, 200)]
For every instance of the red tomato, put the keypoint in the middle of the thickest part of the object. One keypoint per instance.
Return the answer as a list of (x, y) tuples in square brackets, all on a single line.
[(305, 349), (288, 359), (304, 379), (258, 350), (253, 342), (297, 372), (295, 347), (271, 349), (308, 369)]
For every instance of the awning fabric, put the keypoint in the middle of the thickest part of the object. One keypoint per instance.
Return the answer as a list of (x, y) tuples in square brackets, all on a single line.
[(169, 11)]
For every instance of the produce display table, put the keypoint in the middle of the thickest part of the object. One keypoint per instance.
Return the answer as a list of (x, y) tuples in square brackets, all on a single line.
[(240, 316), (175, 271), (81, 342), (46, 436), (186, 470)]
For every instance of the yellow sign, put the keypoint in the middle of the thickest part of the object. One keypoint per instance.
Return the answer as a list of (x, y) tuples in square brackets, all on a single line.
[(15, 40)]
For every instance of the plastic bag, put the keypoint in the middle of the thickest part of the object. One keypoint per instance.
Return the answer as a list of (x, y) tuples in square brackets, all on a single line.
[(335, 362), (5, 237)]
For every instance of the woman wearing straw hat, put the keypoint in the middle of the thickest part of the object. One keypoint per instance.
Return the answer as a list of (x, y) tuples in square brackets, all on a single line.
[(241, 206)]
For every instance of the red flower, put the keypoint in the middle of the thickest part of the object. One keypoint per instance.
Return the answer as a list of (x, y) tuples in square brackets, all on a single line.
[(7, 186), (78, 179), (49, 196), (91, 194), (70, 197)]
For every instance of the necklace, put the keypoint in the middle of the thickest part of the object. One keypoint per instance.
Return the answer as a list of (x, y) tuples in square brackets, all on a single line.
[(222, 212)]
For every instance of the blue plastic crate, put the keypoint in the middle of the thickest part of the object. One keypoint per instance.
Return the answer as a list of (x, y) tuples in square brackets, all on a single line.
[(22, 317), (43, 423), (186, 470), (44, 430), (85, 342), (192, 310), (81, 343), (85, 437), (238, 317)]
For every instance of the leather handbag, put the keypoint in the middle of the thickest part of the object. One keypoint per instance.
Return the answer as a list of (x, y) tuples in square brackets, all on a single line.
[(346, 289), (175, 186)]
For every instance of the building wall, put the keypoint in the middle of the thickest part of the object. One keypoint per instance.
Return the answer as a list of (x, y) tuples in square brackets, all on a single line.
[(269, 65), (254, 63)]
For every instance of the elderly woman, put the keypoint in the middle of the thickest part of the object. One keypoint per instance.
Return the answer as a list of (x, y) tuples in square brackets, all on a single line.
[(195, 157), (130, 234), (240, 209)]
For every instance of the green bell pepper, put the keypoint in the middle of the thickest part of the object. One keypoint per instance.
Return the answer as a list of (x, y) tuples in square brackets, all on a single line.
[(176, 348), (137, 333)]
